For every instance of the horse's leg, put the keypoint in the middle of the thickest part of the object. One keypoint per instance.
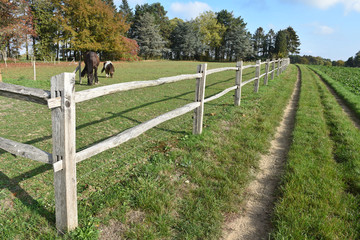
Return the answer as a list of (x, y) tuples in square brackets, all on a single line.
[(96, 76)]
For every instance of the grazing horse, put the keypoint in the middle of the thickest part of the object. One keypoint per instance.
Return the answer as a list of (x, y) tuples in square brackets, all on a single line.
[(108, 68), (91, 60)]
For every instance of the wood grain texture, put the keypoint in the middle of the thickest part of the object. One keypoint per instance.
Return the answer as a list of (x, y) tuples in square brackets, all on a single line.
[(199, 97), (238, 82), (24, 93), (25, 150)]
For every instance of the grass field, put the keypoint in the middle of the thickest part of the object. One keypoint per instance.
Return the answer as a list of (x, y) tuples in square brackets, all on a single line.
[(164, 184), (319, 197)]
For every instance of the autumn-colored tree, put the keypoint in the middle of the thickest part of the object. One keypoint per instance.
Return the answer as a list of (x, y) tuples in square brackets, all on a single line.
[(16, 24), (92, 25)]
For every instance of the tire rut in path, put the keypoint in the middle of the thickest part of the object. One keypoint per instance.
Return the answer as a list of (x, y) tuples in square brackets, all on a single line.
[(254, 222), (342, 103)]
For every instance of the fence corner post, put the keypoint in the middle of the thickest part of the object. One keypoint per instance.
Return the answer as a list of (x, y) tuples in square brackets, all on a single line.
[(238, 82), (199, 97), (64, 149), (266, 78), (257, 76)]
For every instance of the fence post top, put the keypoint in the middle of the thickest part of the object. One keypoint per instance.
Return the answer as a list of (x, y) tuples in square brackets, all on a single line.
[(258, 61)]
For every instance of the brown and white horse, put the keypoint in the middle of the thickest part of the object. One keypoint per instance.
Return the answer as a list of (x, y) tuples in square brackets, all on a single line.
[(108, 68)]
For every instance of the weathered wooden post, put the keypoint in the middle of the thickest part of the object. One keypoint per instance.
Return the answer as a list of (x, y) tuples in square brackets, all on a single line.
[(238, 81), (34, 60), (64, 150), (80, 67), (199, 97), (0, 76), (266, 71), (257, 76), (273, 69), (278, 67)]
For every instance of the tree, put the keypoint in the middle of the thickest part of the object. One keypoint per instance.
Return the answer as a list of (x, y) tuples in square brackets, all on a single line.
[(148, 37), (46, 28), (93, 25), (350, 62), (293, 41), (16, 23), (126, 11), (211, 31), (259, 42), (357, 59), (270, 39), (281, 49)]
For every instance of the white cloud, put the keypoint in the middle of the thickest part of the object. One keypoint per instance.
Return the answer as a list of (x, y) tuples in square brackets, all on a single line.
[(189, 10), (322, 29), (350, 5)]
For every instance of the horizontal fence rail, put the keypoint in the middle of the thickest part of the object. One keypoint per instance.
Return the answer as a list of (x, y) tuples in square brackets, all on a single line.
[(24, 93), (25, 150), (62, 100)]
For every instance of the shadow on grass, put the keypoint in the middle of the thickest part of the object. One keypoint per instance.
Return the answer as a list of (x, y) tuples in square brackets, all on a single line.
[(12, 184)]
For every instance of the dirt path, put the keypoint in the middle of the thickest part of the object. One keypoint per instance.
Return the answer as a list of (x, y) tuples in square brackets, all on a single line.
[(254, 222)]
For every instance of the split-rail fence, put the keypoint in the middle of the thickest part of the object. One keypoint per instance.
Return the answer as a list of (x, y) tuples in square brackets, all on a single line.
[(62, 99)]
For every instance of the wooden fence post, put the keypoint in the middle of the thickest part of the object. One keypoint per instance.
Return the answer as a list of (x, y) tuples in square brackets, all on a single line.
[(238, 81), (199, 97), (64, 150), (0, 76), (273, 69), (257, 75), (80, 67), (266, 78), (34, 61), (278, 67)]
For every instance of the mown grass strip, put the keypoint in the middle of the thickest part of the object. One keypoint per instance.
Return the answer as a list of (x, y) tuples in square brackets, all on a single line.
[(352, 99), (314, 203)]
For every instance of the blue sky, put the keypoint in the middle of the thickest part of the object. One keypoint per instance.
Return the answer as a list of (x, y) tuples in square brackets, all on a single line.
[(327, 28)]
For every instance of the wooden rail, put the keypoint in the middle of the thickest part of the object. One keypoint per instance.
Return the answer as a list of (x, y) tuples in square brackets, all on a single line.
[(25, 150), (62, 100), (24, 93)]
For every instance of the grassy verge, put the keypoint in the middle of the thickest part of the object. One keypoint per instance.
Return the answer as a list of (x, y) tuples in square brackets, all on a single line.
[(315, 199), (164, 184), (352, 99)]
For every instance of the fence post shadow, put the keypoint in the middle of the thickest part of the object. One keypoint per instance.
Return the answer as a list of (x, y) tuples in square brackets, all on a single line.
[(25, 198)]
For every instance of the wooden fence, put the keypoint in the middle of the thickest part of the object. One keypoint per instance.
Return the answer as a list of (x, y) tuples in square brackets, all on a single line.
[(62, 99)]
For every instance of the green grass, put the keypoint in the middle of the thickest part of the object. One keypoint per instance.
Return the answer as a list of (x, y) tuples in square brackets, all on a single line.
[(319, 195), (339, 79), (348, 77), (165, 184)]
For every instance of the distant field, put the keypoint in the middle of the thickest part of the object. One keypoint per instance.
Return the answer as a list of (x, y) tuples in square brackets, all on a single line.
[(345, 82), (349, 77)]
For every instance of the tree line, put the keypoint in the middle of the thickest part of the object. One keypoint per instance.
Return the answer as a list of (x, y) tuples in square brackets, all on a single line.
[(307, 59), (62, 29)]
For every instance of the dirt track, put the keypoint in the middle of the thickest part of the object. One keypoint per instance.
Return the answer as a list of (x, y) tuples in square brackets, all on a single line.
[(254, 222)]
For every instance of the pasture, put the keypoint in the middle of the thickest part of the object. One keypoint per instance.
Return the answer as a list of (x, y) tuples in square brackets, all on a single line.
[(150, 186)]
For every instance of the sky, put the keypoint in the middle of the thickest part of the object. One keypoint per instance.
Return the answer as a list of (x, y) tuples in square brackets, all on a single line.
[(326, 28)]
